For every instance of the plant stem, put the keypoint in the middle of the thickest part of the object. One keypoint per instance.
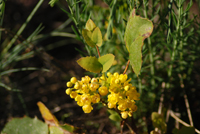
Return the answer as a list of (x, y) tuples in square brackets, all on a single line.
[(126, 67), (169, 20), (174, 45), (150, 50), (2, 8), (72, 14), (188, 110), (182, 122), (98, 51)]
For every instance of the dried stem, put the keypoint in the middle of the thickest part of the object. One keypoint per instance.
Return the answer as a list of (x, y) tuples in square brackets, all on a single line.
[(188, 109), (161, 99), (126, 67), (130, 128), (182, 122), (122, 125)]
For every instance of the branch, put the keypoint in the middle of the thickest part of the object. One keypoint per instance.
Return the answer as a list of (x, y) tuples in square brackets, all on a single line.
[(182, 122)]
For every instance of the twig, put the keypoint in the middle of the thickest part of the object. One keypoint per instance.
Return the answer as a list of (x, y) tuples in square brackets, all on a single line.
[(182, 122), (188, 110), (122, 125), (98, 51), (131, 129), (126, 67)]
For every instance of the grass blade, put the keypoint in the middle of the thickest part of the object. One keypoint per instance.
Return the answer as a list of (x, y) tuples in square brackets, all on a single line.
[(22, 69), (22, 27)]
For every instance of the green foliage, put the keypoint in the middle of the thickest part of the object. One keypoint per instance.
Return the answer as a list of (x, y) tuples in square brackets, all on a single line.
[(92, 34), (137, 27), (137, 30), (106, 61), (90, 25), (90, 64), (97, 37), (95, 65), (25, 125), (114, 116), (34, 126), (52, 2), (11, 54), (87, 35)]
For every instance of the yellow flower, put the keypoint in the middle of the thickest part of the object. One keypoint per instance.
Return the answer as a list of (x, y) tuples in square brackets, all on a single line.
[(87, 108), (103, 90), (73, 80), (115, 90)]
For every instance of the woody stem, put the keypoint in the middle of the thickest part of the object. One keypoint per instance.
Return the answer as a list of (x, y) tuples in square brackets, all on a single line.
[(98, 51), (126, 67)]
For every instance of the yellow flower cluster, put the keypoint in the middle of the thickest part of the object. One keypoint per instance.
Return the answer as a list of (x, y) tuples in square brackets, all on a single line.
[(113, 89)]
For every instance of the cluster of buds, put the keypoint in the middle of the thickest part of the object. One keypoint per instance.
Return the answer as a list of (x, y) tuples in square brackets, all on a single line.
[(114, 90)]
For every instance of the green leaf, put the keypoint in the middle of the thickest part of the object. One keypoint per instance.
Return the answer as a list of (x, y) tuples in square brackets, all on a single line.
[(55, 130), (87, 35), (184, 130), (115, 117), (158, 122), (137, 30), (90, 25), (52, 2), (92, 34), (9, 88), (68, 127), (25, 125), (106, 61), (136, 55), (60, 130), (97, 37), (90, 64), (21, 69)]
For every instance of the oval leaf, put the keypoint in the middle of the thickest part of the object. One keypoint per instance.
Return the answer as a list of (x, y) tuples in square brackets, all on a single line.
[(90, 64), (107, 61), (115, 117), (90, 25), (137, 26), (87, 35), (97, 37), (137, 30), (25, 125)]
